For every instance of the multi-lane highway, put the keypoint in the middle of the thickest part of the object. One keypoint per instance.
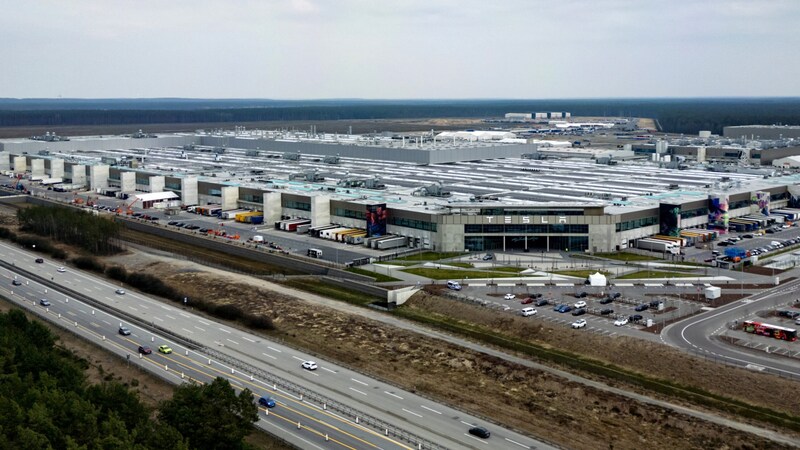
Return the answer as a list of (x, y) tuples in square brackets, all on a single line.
[(423, 420), (697, 334)]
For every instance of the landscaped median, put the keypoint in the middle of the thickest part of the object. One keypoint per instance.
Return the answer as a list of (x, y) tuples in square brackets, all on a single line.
[(444, 273)]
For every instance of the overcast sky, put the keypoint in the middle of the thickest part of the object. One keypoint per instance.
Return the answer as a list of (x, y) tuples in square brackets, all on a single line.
[(303, 49)]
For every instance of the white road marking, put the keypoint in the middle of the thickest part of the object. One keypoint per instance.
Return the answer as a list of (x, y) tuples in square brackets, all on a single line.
[(95, 325), (71, 313), (515, 442), (410, 412), (158, 319), (188, 331), (184, 315), (199, 328), (222, 329), (131, 307), (359, 382), (107, 322), (356, 390), (229, 340), (467, 424), (143, 306), (204, 323), (473, 437), (431, 410), (248, 339), (274, 349), (269, 356), (299, 358), (329, 370), (393, 395), (170, 317), (84, 312)]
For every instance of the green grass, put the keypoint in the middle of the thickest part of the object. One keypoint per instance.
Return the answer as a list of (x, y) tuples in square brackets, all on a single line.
[(627, 257), (460, 264), (654, 274), (446, 274), (516, 270), (332, 291), (429, 256), (379, 277), (578, 362), (580, 273)]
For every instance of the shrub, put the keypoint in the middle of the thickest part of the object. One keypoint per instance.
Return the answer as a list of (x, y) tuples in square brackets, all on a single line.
[(59, 254), (258, 322), (89, 263), (228, 312), (117, 273)]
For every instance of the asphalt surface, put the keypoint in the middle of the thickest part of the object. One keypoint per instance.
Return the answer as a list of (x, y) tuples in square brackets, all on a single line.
[(432, 421)]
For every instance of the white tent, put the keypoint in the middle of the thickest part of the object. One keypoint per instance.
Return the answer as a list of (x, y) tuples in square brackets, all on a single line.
[(597, 279)]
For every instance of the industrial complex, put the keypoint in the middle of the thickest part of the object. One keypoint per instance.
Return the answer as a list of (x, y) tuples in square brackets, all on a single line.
[(478, 191)]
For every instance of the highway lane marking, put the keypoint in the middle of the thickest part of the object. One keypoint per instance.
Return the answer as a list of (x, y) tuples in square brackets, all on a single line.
[(222, 329), (95, 325), (131, 307), (467, 424), (107, 322), (359, 382), (199, 328), (144, 306), (185, 315), (299, 358), (473, 437), (81, 310), (188, 331), (411, 412), (204, 323), (230, 340), (71, 313), (274, 349), (261, 419), (515, 442), (158, 319), (167, 309), (356, 390), (173, 318), (269, 356), (431, 410), (393, 395), (248, 339), (329, 370)]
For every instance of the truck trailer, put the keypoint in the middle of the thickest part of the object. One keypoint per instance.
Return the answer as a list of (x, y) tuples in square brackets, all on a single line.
[(392, 242), (656, 245)]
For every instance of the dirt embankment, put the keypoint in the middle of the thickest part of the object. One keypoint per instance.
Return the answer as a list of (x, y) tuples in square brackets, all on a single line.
[(536, 402)]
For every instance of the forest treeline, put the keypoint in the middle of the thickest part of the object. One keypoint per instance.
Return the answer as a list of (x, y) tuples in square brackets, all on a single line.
[(47, 402), (674, 115), (96, 234)]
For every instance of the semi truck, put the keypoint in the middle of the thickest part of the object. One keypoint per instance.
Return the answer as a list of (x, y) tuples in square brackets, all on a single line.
[(392, 242), (656, 245)]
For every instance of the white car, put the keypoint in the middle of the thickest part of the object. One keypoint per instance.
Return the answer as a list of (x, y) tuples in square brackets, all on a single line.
[(61, 269), (510, 297), (309, 365), (528, 312), (579, 323), (120, 291), (621, 322), (580, 304)]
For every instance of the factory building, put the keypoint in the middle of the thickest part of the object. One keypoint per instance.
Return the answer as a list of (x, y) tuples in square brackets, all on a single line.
[(476, 196), (762, 132)]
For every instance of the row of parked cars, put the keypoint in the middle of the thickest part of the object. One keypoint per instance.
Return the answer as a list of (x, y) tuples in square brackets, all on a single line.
[(187, 226)]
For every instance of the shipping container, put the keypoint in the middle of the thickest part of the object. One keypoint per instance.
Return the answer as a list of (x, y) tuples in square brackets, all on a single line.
[(231, 213)]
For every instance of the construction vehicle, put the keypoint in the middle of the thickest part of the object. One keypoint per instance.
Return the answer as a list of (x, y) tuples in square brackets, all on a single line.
[(128, 208)]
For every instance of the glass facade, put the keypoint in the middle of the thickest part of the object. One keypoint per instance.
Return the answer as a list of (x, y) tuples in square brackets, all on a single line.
[(412, 223), (302, 206), (534, 243), (637, 223), (528, 228), (530, 212), (351, 213)]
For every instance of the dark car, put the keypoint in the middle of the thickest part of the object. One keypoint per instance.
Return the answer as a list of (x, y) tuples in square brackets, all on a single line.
[(481, 432), (725, 243), (39, 260), (145, 350), (44, 302), (581, 295), (789, 314), (125, 331), (615, 295), (606, 300), (605, 312), (172, 222), (564, 308), (654, 304), (266, 402), (154, 218), (526, 300), (204, 230), (579, 312), (541, 302), (635, 318), (16, 282), (642, 307)]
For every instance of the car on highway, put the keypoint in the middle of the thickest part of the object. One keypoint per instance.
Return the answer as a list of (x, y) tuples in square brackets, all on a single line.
[(621, 322), (145, 350), (481, 432), (165, 349), (581, 295), (16, 282), (44, 302), (525, 312), (266, 402), (125, 331), (309, 365), (39, 260), (642, 307), (510, 296), (120, 291), (61, 269), (579, 312), (541, 302), (607, 311), (580, 304), (580, 323), (635, 318)]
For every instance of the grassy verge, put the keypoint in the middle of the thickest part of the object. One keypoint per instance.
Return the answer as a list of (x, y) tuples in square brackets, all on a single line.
[(627, 257), (379, 277), (515, 270), (429, 256), (655, 274), (460, 264), (580, 273), (444, 274), (609, 371), (328, 290)]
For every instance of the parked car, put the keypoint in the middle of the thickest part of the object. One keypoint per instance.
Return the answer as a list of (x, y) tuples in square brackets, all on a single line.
[(481, 432), (565, 309), (172, 222), (509, 296), (528, 312), (581, 295), (527, 300), (654, 304), (541, 302), (789, 314), (621, 322), (580, 323), (580, 304), (606, 300), (488, 257), (635, 318), (605, 312), (579, 312), (642, 307)]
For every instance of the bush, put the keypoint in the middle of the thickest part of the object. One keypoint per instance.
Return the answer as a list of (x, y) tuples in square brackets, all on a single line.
[(59, 254), (153, 285), (89, 263), (117, 273), (5, 233), (258, 322), (227, 312)]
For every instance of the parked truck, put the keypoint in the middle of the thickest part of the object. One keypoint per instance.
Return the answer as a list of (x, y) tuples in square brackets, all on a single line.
[(656, 245), (393, 242)]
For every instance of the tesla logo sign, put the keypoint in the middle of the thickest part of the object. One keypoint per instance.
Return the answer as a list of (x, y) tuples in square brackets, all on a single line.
[(526, 219)]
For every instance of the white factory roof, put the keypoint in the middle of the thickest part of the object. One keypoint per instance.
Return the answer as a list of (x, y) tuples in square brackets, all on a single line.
[(156, 196)]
